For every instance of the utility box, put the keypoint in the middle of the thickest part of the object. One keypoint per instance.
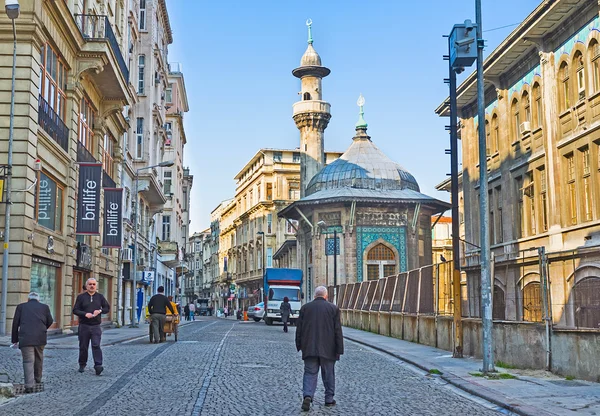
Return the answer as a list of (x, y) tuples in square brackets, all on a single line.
[(463, 45)]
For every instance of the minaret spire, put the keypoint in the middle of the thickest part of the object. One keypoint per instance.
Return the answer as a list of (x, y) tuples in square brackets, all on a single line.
[(309, 24), (361, 124)]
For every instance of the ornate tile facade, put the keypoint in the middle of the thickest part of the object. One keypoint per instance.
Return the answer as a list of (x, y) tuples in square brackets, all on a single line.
[(395, 236)]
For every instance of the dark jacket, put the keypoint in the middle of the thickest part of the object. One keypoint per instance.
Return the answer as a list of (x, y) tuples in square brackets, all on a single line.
[(159, 304), (30, 324), (286, 310), (89, 303), (319, 330)]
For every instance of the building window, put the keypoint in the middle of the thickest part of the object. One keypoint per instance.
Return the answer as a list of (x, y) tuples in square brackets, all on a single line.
[(532, 302), (294, 191), (580, 72), (563, 76), (543, 198), (526, 105), (53, 75), (595, 58), (488, 142), (169, 94), (296, 157), (519, 208), (258, 192), (537, 103), (87, 116), (277, 156), (500, 225), (516, 120), (139, 146), (142, 14), (166, 228), (495, 134), (141, 67), (167, 177), (306, 96), (44, 279), (491, 218), (269, 191), (49, 203), (108, 154), (269, 223), (529, 192), (290, 226), (586, 303), (586, 183), (381, 262), (572, 192), (269, 257)]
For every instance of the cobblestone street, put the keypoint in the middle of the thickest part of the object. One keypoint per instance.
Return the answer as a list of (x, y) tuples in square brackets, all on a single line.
[(224, 367)]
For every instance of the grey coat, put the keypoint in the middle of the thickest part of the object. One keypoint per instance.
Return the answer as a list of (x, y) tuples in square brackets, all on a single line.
[(286, 310)]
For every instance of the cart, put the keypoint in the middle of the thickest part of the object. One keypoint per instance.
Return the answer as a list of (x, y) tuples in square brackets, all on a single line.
[(171, 326)]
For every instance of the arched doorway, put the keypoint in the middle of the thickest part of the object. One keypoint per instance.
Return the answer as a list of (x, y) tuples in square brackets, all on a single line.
[(586, 302), (381, 262), (499, 307), (532, 302)]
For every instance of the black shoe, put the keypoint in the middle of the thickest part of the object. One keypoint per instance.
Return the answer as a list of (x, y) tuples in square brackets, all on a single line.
[(98, 369), (28, 390), (330, 404), (306, 403), (81, 368)]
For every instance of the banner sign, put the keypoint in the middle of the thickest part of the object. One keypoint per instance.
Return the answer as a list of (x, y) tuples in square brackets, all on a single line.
[(113, 218), (88, 198)]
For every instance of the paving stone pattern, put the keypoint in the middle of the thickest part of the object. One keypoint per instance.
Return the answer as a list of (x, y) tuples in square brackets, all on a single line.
[(223, 367)]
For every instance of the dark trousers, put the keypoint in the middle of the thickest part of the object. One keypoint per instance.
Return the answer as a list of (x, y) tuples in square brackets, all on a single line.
[(311, 372), (33, 362), (86, 334), (157, 329), (284, 319)]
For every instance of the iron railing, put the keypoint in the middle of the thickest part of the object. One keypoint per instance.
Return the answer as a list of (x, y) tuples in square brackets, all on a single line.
[(52, 124), (98, 28)]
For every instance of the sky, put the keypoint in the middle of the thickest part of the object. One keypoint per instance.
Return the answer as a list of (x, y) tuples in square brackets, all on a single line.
[(237, 59)]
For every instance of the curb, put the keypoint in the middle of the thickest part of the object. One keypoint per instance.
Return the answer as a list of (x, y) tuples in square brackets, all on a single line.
[(485, 393)]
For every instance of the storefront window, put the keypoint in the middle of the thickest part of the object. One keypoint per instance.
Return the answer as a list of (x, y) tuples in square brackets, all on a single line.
[(44, 280), (49, 199)]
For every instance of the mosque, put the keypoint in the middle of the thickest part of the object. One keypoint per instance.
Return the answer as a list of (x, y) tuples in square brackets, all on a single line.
[(361, 217)]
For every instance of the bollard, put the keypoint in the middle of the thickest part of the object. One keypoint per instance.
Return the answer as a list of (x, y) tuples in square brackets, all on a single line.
[(245, 315)]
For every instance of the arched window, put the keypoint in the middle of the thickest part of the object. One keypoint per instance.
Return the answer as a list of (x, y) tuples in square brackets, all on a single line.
[(563, 78), (306, 96), (499, 308), (488, 144), (381, 262), (495, 134), (532, 302), (516, 120), (586, 302), (537, 105), (580, 75), (526, 106), (594, 54)]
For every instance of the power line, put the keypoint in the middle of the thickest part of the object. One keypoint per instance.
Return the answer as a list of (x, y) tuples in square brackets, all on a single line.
[(502, 27)]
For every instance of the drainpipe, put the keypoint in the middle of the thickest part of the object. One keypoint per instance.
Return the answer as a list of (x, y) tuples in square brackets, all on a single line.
[(547, 317)]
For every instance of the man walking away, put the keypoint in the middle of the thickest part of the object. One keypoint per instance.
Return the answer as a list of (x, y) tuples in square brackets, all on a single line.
[(89, 307), (157, 307), (319, 337), (29, 330), (186, 312), (192, 311)]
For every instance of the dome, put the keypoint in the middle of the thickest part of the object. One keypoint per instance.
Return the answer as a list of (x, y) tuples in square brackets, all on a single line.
[(363, 166), (310, 57)]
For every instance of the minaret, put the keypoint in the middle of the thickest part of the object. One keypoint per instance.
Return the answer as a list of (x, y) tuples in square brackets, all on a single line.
[(311, 114)]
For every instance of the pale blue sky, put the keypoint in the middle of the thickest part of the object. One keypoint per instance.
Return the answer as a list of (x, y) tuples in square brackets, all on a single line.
[(237, 60)]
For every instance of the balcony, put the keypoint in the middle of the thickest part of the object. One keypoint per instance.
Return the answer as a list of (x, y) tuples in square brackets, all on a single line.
[(52, 124), (311, 106), (83, 154), (151, 189), (102, 56)]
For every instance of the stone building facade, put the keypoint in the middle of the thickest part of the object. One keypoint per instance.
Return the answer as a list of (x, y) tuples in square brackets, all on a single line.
[(542, 93)]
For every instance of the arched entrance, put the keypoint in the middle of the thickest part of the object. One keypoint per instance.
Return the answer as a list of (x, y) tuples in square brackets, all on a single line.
[(586, 302), (381, 262)]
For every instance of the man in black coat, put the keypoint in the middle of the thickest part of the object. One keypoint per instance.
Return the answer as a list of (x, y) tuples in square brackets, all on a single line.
[(89, 307), (319, 337), (157, 307), (29, 330)]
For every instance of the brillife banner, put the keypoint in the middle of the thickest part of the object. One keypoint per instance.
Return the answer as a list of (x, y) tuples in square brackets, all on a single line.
[(88, 198), (113, 218)]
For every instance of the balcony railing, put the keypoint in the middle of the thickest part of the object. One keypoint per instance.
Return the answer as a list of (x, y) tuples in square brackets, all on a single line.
[(83, 154), (107, 181), (52, 124), (97, 27)]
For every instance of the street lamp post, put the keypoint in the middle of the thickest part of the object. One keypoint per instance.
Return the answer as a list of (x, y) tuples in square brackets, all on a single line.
[(323, 226), (12, 11), (135, 324)]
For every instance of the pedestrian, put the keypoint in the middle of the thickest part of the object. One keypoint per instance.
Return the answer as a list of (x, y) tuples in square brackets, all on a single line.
[(186, 312), (89, 308), (157, 307), (225, 311), (286, 310), (192, 311), (29, 331), (319, 337)]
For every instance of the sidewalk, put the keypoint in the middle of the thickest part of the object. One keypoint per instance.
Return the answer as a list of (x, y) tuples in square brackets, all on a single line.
[(532, 392), (110, 336)]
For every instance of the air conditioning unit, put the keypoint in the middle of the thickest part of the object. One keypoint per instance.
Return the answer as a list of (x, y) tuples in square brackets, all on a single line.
[(525, 127), (127, 255)]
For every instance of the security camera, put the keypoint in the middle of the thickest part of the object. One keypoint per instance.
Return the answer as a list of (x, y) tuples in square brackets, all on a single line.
[(469, 25), (464, 42), (459, 70)]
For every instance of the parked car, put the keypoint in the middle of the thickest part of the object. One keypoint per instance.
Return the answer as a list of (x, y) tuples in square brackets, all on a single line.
[(256, 312)]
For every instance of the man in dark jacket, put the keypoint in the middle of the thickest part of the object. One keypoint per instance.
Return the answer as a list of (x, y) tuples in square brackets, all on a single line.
[(319, 337), (30, 325), (157, 307), (89, 307)]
